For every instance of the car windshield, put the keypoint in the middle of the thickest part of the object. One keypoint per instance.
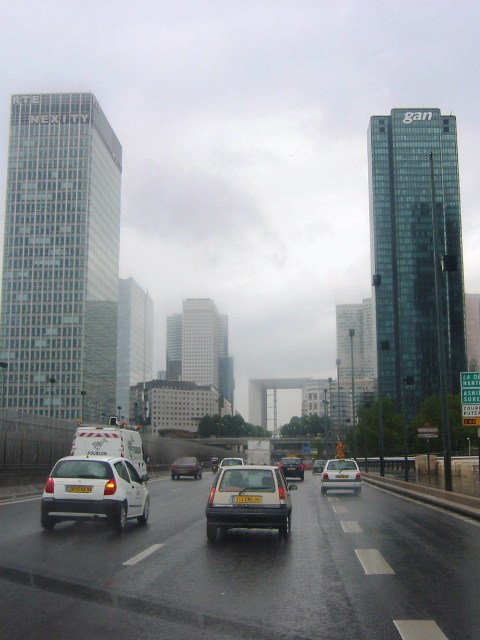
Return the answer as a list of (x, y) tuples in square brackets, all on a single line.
[(342, 465), (94, 469), (247, 480)]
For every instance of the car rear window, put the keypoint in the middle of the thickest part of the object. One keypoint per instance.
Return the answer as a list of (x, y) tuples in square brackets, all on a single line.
[(231, 462), (342, 465), (291, 460), (95, 469), (185, 461), (247, 480)]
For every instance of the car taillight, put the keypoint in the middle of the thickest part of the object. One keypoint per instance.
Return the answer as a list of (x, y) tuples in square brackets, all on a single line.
[(325, 476), (358, 475), (211, 496), (49, 486), (281, 494), (302, 467), (110, 487)]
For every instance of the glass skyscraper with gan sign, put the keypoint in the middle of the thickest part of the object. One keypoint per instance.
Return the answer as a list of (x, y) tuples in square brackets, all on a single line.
[(61, 258), (413, 161)]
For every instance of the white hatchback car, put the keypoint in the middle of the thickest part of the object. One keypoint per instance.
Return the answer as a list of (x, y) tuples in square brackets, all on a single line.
[(249, 497), (341, 473), (91, 488)]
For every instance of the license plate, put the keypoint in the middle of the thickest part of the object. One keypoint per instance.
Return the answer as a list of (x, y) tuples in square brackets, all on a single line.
[(341, 476), (73, 489), (247, 499), (291, 468)]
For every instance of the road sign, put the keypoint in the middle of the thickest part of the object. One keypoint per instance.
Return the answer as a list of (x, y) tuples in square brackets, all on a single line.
[(470, 393), (427, 432)]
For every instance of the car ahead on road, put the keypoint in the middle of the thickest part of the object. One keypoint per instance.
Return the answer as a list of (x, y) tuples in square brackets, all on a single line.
[(186, 466), (91, 488), (292, 468), (249, 497), (318, 466), (231, 462), (307, 464), (341, 473)]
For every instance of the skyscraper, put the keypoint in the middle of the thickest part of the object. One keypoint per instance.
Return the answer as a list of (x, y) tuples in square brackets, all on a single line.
[(197, 347), (134, 341), (413, 162), (61, 255)]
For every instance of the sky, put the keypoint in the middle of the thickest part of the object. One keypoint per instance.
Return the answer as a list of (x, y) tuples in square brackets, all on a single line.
[(244, 132)]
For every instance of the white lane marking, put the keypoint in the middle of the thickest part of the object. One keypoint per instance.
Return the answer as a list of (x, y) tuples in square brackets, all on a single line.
[(143, 554), (419, 630), (340, 509), (350, 526), (373, 562)]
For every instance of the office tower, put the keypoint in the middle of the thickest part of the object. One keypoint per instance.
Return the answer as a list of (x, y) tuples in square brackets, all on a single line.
[(61, 255), (413, 162), (197, 347), (472, 321), (134, 342), (359, 318)]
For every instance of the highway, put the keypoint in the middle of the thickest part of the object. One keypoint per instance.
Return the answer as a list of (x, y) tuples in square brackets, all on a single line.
[(372, 567)]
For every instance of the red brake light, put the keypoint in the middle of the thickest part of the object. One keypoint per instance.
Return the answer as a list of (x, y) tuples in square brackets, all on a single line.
[(358, 475), (325, 476), (110, 487), (281, 493), (49, 486), (211, 496)]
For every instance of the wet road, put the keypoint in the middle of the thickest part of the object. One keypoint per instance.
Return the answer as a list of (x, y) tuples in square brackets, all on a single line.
[(374, 567)]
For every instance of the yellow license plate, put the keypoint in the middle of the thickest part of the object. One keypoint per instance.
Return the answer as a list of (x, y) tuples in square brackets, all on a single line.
[(247, 499), (79, 489)]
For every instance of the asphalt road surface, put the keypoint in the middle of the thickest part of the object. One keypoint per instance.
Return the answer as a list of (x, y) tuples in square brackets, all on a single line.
[(363, 568)]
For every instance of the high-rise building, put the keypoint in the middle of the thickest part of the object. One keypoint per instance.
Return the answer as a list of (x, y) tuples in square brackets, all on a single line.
[(197, 347), (356, 317), (61, 255), (413, 163), (472, 321), (134, 342)]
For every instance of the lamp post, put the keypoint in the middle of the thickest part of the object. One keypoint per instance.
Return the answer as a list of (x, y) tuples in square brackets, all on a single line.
[(52, 382), (337, 362), (351, 333), (468, 446), (325, 411), (407, 381), (381, 346), (447, 459), (3, 367)]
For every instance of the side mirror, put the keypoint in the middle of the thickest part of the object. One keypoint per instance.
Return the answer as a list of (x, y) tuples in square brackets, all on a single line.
[(292, 487), (145, 478)]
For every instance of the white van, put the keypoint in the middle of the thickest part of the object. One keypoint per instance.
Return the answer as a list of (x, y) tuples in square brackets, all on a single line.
[(121, 442)]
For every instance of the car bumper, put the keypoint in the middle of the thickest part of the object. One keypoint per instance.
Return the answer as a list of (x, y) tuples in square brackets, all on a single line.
[(353, 485), (247, 517), (81, 509)]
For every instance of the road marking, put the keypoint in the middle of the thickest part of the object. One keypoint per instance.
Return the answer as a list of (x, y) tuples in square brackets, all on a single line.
[(419, 630), (373, 562), (350, 526), (340, 509), (143, 555)]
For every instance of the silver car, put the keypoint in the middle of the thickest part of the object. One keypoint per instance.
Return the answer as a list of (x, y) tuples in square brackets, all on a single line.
[(341, 473)]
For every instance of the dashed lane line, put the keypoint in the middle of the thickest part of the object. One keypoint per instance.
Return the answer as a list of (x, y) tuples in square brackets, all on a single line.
[(350, 526), (419, 630), (144, 554), (373, 562)]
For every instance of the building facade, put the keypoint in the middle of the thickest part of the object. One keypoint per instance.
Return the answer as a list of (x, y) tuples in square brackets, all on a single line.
[(197, 347), (58, 326), (170, 406), (413, 162), (134, 341), (472, 321)]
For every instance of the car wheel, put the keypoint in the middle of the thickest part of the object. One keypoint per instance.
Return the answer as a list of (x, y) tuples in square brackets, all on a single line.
[(173, 476), (121, 518), (212, 532), (47, 522), (323, 490), (146, 512), (284, 530)]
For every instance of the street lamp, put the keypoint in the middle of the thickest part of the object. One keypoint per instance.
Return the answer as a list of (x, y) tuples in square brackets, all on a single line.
[(442, 369), (351, 333), (381, 346), (407, 381), (325, 411), (52, 382), (468, 446)]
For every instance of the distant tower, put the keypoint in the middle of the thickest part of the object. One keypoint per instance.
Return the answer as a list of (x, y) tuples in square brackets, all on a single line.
[(135, 342), (401, 193), (197, 347), (61, 256)]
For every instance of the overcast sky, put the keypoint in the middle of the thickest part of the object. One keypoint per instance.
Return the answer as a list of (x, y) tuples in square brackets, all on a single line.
[(244, 132)]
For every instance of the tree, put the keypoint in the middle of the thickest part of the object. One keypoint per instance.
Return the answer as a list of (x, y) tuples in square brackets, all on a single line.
[(430, 414)]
